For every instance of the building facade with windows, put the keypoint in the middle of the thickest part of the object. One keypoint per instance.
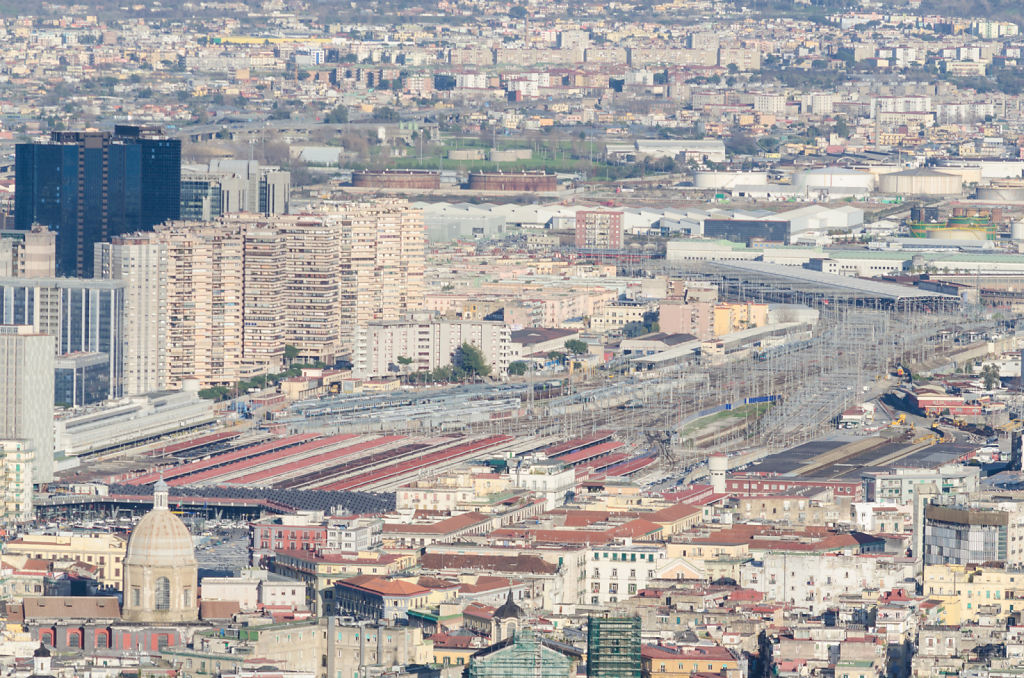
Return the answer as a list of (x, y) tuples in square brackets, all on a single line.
[(91, 185)]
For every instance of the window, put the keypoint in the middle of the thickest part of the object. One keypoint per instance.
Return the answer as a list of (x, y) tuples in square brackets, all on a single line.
[(163, 593), (136, 596)]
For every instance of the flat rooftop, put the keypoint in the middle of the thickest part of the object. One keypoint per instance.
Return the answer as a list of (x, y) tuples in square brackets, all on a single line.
[(806, 280)]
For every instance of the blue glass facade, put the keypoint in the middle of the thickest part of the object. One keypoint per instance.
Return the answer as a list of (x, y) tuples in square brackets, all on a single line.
[(84, 315), (88, 186)]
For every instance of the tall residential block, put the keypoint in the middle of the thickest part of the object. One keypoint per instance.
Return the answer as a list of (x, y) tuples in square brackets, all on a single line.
[(139, 262), (243, 287), (26, 393), (382, 259), (84, 315), (91, 185), (205, 274), (313, 285), (265, 296)]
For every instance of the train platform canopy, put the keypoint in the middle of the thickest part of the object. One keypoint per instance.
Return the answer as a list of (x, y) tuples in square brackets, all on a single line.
[(802, 281)]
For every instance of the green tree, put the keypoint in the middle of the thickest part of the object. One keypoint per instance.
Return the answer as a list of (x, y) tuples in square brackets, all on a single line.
[(990, 375), (557, 356), (386, 114), (290, 353), (841, 128), (337, 116), (517, 368), (575, 346), (633, 329), (470, 360)]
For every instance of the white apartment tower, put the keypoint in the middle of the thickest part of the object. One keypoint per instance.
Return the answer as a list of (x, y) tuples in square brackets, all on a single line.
[(26, 393), (140, 262)]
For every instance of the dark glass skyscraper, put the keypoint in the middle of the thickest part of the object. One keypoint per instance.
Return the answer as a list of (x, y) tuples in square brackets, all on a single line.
[(88, 186)]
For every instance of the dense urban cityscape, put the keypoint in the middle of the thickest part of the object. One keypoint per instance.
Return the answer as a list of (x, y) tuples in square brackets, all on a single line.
[(485, 339)]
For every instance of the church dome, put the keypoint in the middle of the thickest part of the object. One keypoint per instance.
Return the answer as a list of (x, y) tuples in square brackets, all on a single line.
[(160, 538), (160, 569)]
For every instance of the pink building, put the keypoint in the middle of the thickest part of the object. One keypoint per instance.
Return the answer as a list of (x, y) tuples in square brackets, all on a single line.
[(696, 318), (599, 230)]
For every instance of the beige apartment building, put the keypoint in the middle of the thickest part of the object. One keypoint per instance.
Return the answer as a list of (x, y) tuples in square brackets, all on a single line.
[(230, 295), (205, 273), (382, 262), (312, 288), (16, 461), (264, 284), (429, 343)]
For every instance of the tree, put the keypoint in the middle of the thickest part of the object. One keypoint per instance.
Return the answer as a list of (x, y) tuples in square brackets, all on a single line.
[(290, 353), (403, 360), (841, 128), (386, 114), (990, 375), (556, 356), (575, 346), (517, 12), (633, 329), (517, 368), (337, 116), (470, 360)]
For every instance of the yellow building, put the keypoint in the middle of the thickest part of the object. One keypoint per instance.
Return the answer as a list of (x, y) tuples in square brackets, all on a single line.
[(663, 662), (730, 317), (104, 551), (967, 590)]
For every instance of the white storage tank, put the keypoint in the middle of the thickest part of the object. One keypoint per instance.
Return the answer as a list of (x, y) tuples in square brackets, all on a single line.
[(721, 180), (834, 177), (921, 181), (1017, 231)]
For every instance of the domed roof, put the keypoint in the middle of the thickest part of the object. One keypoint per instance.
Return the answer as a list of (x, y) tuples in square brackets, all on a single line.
[(41, 651), (160, 538), (508, 609)]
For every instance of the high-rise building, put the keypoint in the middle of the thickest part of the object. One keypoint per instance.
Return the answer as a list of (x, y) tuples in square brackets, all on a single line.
[(265, 299), (229, 186), (382, 262), (313, 286), (204, 324), (28, 254), (26, 393), (613, 647), (84, 315), (242, 288), (139, 262), (92, 185)]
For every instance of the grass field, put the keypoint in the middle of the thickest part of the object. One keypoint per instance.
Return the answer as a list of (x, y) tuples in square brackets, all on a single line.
[(754, 410)]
